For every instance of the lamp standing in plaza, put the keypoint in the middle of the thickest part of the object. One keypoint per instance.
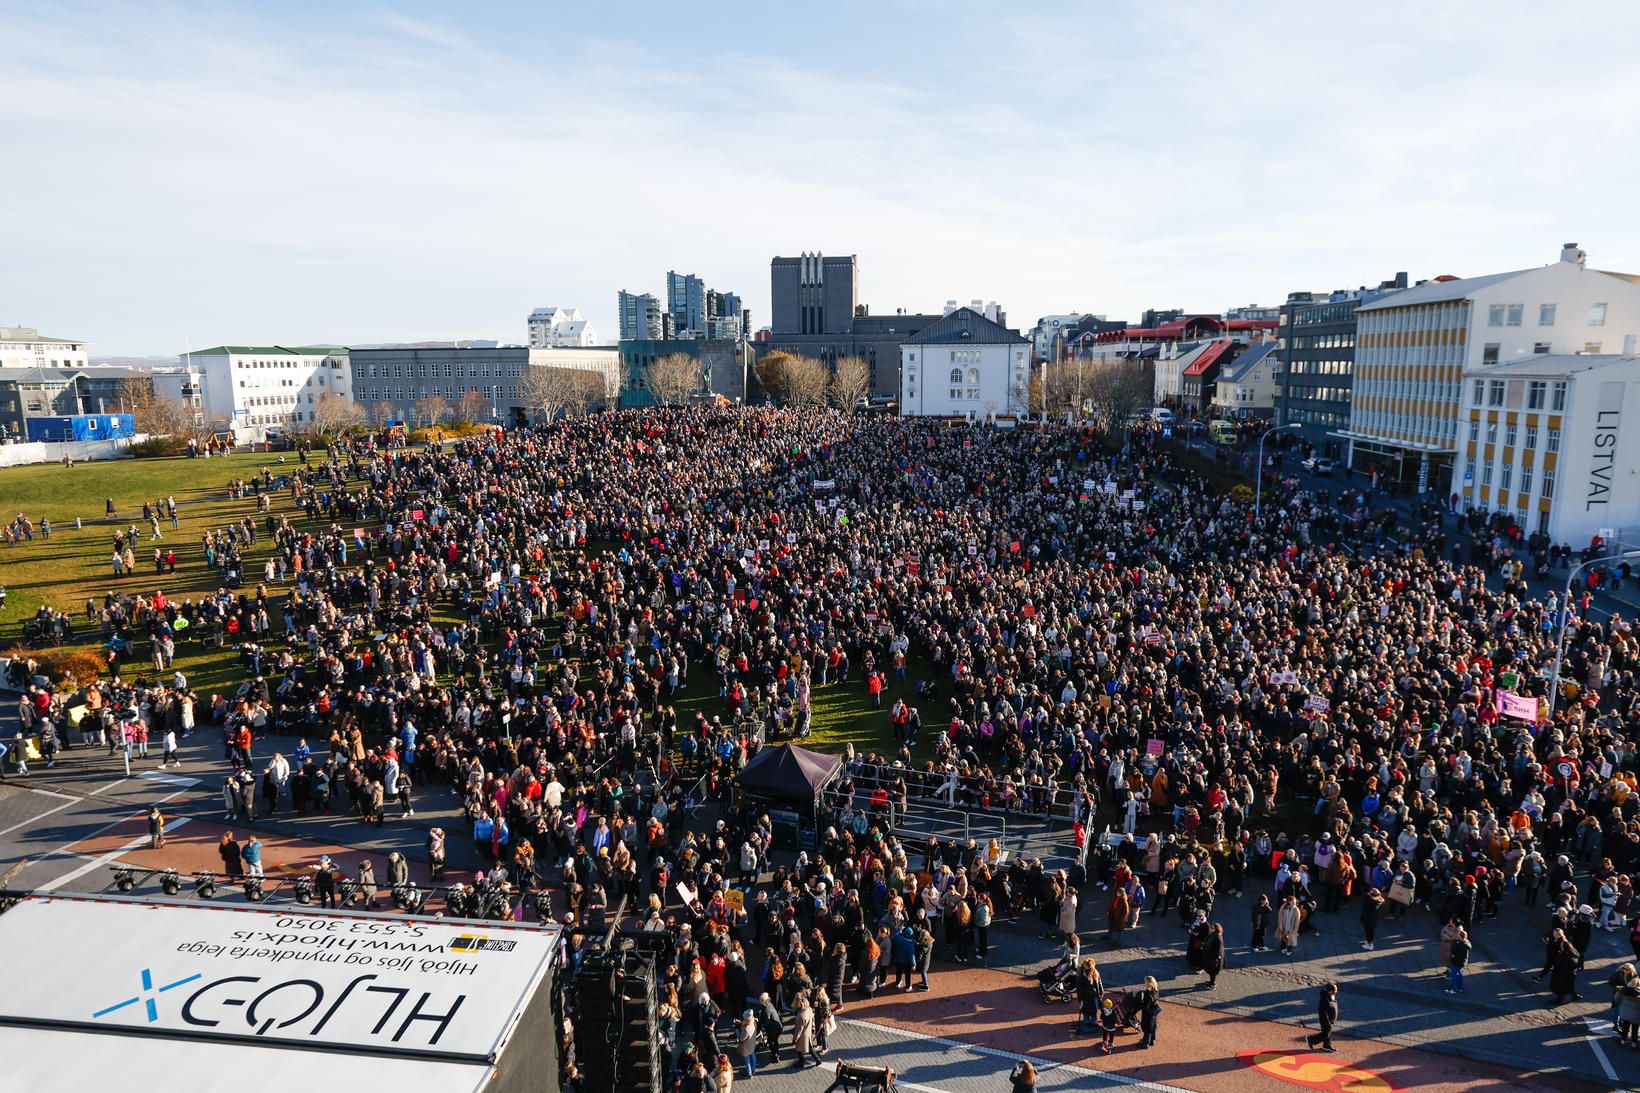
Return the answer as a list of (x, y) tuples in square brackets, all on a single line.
[(1258, 490), (1565, 619)]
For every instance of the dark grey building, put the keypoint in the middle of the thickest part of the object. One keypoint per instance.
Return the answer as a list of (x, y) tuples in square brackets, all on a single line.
[(56, 392), (725, 363), (874, 338), (813, 294), (1316, 361), (404, 384)]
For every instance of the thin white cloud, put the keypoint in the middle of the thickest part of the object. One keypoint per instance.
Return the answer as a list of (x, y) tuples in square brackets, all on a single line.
[(391, 176)]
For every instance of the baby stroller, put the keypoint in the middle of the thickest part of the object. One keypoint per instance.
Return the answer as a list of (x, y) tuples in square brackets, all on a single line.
[(1129, 1007), (1057, 982)]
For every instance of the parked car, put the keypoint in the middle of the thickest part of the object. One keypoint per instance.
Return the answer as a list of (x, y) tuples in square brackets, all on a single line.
[(1318, 464)]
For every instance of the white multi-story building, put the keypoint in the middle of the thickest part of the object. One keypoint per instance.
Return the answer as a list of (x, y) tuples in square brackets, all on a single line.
[(556, 327), (26, 347), (258, 390), (1554, 441), (1413, 349), (1049, 330), (964, 365)]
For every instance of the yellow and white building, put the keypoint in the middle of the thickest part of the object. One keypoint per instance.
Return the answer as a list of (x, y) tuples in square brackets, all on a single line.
[(1554, 441), (1414, 348)]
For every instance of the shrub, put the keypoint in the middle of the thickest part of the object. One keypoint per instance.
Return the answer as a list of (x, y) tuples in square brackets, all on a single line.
[(156, 446), (1241, 491), (78, 666)]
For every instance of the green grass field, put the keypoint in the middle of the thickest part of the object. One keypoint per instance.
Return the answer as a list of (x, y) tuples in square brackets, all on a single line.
[(73, 565)]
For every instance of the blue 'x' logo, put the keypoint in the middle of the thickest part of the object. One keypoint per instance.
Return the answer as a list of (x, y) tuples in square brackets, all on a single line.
[(147, 996)]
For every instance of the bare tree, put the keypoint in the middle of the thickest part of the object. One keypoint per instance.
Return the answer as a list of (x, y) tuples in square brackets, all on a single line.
[(547, 392), (674, 378), (334, 414), (151, 414), (386, 412), (795, 381), (850, 382), (432, 409), (470, 406), (588, 389), (1115, 390)]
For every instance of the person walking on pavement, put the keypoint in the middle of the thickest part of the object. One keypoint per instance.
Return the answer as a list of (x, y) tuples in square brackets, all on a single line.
[(1261, 923), (251, 853), (1457, 962), (156, 828), (1150, 1012), (232, 859), (324, 883), (1370, 908), (1326, 1017), (1213, 954)]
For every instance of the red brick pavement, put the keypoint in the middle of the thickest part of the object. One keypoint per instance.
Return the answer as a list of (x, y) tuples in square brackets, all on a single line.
[(1197, 1049)]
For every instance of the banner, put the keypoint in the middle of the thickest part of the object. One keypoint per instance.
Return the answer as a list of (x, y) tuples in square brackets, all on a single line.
[(1154, 747), (1318, 703), (1283, 677), (1513, 705)]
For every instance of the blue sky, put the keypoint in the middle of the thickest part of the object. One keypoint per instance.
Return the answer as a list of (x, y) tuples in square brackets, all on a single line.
[(297, 172)]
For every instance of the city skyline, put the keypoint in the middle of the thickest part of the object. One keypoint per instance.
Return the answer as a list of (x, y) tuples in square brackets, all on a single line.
[(218, 174)]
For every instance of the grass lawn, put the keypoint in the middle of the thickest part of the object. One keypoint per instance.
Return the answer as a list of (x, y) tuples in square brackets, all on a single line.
[(72, 566), (842, 713)]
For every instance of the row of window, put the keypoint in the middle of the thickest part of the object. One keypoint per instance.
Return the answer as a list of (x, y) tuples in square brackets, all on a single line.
[(1508, 393), (1515, 314), (1504, 473), (1511, 433), (1344, 340), (406, 396), (1320, 368), (436, 369)]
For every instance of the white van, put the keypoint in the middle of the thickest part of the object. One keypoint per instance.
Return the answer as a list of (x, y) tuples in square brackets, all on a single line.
[(1161, 416)]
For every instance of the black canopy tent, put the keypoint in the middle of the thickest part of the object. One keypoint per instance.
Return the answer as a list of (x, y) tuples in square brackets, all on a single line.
[(793, 777), (789, 773)]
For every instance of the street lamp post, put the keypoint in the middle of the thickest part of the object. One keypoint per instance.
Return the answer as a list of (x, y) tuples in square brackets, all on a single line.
[(1560, 640), (1258, 491)]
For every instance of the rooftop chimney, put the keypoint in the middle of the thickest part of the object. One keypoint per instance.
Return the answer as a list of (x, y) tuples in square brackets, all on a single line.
[(1571, 253)]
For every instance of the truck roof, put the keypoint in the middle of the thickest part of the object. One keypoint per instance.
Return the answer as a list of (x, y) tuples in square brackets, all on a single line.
[(190, 984)]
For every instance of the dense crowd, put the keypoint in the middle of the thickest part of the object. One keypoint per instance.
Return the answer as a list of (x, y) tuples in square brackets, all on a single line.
[(1257, 704)]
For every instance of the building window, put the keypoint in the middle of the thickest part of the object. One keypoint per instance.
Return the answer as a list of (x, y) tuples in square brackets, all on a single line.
[(1548, 482), (1546, 314), (1510, 433), (1535, 391), (1591, 347), (1531, 438), (1486, 474), (1480, 392), (1597, 314), (1494, 315), (1552, 441), (1540, 348), (956, 375), (1507, 476), (1489, 354), (1515, 314), (1526, 479), (1494, 390), (973, 375), (1559, 402)]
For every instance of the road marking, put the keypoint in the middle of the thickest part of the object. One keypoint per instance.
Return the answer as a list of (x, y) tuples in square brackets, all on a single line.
[(1599, 1051), (107, 786), (41, 816), (1042, 1065), (64, 849), (96, 863), (178, 780)]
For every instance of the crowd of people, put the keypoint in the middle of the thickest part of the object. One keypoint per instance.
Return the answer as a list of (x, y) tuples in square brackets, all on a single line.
[(1258, 703)]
